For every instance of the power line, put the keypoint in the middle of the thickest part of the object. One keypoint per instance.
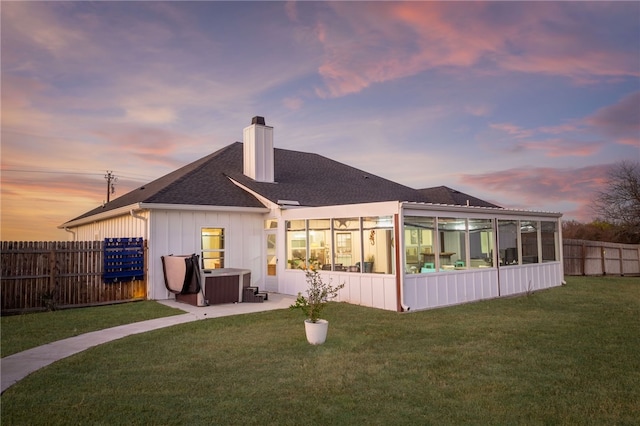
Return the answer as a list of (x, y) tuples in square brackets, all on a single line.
[(49, 171), (133, 177)]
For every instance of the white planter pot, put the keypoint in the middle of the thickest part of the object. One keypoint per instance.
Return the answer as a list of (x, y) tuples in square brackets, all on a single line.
[(316, 331)]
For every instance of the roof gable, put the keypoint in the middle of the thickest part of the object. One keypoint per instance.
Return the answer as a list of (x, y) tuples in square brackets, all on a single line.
[(202, 182)]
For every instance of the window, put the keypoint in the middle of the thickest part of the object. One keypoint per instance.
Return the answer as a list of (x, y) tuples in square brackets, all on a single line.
[(271, 224), (212, 248), (351, 244), (320, 243), (296, 244), (346, 232), (549, 237), (420, 246), (377, 241), (453, 252), (529, 238), (508, 242), (481, 243)]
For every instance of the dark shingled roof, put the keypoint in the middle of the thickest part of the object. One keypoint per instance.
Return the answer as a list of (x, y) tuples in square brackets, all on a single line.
[(314, 180), (310, 179), (446, 195)]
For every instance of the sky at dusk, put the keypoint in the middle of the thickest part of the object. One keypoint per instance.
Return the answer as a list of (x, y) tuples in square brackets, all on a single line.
[(524, 104)]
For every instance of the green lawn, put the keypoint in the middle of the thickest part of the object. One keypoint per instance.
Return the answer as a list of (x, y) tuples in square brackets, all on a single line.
[(568, 355), (21, 332)]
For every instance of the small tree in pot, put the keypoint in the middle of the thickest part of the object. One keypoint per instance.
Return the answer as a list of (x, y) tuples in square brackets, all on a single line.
[(318, 295)]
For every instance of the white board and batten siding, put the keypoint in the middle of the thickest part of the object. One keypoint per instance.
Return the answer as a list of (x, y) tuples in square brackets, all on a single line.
[(123, 226), (527, 278), (179, 232), (371, 290), (434, 290)]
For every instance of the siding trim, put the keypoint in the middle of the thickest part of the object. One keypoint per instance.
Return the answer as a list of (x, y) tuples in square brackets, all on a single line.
[(101, 216), (211, 208)]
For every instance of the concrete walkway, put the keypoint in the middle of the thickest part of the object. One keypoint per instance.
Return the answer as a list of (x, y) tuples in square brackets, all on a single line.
[(18, 366)]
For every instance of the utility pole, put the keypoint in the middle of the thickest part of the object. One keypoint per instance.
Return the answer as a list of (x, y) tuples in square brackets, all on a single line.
[(111, 181)]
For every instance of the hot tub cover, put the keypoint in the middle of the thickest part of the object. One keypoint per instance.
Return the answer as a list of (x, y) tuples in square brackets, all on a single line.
[(181, 273)]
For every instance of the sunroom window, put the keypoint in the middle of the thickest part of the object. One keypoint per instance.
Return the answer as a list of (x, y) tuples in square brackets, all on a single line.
[(549, 237), (529, 238), (508, 242), (452, 243), (378, 251), (420, 245), (320, 243), (296, 244), (352, 244), (481, 243), (346, 235)]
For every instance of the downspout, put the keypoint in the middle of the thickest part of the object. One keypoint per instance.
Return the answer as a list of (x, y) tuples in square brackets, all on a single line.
[(496, 250), (561, 251), (399, 270), (71, 232)]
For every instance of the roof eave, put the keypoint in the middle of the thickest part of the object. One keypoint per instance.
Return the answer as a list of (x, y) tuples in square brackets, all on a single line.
[(497, 210), (101, 216), (156, 206)]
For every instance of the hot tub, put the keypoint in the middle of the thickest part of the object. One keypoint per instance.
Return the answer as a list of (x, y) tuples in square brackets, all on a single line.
[(225, 285)]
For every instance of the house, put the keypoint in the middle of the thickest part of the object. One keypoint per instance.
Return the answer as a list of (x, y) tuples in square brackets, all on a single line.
[(272, 211)]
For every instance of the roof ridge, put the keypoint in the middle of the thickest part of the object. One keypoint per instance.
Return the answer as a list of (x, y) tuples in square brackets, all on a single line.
[(194, 166)]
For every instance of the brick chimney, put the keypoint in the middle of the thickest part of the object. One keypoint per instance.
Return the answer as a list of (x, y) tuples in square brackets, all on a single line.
[(257, 142)]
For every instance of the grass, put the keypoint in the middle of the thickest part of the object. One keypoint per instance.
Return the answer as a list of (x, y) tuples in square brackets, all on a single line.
[(21, 332), (568, 355)]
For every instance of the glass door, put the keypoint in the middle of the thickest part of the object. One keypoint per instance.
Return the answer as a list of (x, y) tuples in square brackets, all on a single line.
[(271, 277)]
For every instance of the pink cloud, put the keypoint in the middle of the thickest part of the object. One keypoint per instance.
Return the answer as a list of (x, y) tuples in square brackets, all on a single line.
[(41, 28), (291, 10), (150, 144), (152, 115), (19, 94), (523, 140), (579, 68), (620, 121), (391, 40), (388, 41), (512, 130), (564, 147), (61, 185), (293, 103), (478, 110), (533, 186), (561, 128)]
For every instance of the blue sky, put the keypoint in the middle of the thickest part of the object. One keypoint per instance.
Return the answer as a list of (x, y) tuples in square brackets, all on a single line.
[(524, 104)]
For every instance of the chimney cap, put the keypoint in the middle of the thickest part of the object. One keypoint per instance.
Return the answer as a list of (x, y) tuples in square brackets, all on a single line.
[(258, 120)]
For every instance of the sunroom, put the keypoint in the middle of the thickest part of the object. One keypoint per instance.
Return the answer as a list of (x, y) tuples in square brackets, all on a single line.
[(410, 256)]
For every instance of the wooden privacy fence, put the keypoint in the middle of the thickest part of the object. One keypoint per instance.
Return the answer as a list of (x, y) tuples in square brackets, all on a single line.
[(582, 257), (38, 275)]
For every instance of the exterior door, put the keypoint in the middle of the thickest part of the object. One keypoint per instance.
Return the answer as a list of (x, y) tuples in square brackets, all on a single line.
[(271, 261)]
